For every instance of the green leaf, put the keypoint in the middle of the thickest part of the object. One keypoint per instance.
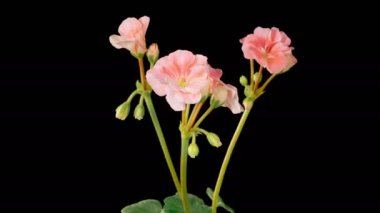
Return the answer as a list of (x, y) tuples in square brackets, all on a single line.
[(220, 202), (144, 206), (173, 204)]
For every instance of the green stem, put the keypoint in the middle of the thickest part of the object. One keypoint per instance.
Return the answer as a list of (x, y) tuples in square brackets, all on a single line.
[(161, 138), (142, 73), (267, 82), (227, 157), (258, 80), (197, 108), (183, 171), (133, 94), (205, 114), (187, 111), (251, 63)]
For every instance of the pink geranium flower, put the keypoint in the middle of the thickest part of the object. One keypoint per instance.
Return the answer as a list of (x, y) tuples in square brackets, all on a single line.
[(225, 94), (132, 35), (181, 76), (270, 48)]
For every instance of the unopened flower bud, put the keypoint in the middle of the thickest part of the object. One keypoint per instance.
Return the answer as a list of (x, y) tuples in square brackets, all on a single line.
[(256, 78), (219, 96), (122, 111), (243, 80), (153, 53), (139, 112), (193, 150), (213, 139)]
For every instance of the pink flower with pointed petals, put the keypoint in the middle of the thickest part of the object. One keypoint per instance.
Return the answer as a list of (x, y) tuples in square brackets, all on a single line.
[(270, 48), (132, 35), (225, 94), (181, 76)]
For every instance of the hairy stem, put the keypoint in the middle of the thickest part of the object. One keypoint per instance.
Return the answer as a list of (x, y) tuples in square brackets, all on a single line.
[(161, 139), (183, 171), (228, 155)]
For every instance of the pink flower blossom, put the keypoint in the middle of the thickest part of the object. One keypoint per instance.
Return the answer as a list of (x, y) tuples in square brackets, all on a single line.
[(225, 94), (181, 76), (132, 35), (270, 48)]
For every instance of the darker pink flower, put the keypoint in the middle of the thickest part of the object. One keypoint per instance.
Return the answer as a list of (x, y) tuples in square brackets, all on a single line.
[(181, 76), (225, 94), (270, 48), (132, 35)]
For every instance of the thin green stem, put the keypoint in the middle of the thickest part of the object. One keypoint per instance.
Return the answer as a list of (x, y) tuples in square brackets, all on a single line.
[(258, 79), (141, 101), (205, 114), (187, 111), (161, 138), (183, 171), (183, 118), (251, 63), (228, 155), (197, 108), (157, 126), (267, 82), (142, 73), (133, 94)]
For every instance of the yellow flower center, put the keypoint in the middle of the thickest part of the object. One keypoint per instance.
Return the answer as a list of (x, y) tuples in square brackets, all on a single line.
[(182, 83)]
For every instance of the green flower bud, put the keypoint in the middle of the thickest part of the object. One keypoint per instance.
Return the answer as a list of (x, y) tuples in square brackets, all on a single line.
[(256, 78), (193, 150), (139, 112), (213, 139), (248, 92), (122, 111), (243, 80)]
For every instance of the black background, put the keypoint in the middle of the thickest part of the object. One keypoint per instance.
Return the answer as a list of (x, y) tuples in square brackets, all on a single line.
[(310, 143)]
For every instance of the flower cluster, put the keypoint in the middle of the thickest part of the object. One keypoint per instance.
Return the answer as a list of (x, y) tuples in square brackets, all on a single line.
[(185, 78), (187, 81)]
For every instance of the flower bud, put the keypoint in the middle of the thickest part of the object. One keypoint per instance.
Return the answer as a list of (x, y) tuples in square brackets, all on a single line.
[(139, 112), (153, 53), (243, 80), (213, 139), (219, 96), (248, 92), (122, 111), (256, 77), (193, 150)]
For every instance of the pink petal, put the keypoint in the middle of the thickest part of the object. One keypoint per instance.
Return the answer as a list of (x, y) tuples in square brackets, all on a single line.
[(174, 103), (275, 35), (277, 63), (215, 74), (232, 101), (127, 25), (158, 84), (115, 40), (145, 23), (261, 32), (183, 59)]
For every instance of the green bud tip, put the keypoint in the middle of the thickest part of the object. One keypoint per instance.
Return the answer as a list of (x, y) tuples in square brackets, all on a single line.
[(256, 77), (139, 112), (243, 80), (193, 150), (122, 111), (213, 139)]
